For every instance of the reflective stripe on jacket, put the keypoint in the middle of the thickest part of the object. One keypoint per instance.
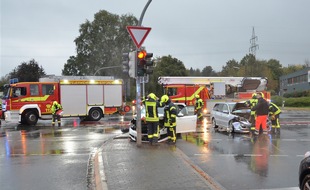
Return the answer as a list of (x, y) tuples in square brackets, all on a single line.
[(199, 103), (274, 109), (170, 114), (151, 111), (253, 103), (56, 107)]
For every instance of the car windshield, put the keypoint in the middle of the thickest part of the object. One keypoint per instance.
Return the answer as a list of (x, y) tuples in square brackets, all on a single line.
[(241, 106), (231, 106)]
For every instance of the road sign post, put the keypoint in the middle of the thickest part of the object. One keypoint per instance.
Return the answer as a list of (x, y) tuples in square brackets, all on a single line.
[(138, 35)]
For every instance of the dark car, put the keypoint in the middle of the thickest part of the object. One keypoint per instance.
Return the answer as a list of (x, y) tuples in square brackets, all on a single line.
[(304, 172)]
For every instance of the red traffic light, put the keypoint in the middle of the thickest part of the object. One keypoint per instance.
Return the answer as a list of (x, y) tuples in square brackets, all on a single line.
[(141, 54)]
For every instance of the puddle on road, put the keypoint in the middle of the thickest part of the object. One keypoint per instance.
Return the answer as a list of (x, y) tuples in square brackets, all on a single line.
[(47, 140)]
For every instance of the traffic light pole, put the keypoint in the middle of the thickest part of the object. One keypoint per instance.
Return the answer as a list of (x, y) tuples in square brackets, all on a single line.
[(138, 88)]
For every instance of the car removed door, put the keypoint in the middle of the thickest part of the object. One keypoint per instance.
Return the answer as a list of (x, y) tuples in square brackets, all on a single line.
[(186, 124)]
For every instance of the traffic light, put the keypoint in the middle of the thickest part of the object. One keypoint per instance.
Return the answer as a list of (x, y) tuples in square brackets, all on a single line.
[(149, 63), (145, 63), (125, 62), (141, 63), (132, 64), (129, 64)]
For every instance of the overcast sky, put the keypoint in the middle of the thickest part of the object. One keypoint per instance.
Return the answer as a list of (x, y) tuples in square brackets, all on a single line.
[(198, 32)]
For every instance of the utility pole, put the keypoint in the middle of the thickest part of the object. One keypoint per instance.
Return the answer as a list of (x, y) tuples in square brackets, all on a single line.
[(138, 87)]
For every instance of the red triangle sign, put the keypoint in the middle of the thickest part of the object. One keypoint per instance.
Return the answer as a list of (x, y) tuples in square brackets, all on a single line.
[(138, 34)]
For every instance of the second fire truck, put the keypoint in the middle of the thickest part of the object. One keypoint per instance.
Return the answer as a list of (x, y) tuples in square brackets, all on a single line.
[(212, 89)]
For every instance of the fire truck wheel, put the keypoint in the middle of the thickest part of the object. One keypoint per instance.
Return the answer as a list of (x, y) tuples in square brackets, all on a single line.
[(95, 114), (30, 118)]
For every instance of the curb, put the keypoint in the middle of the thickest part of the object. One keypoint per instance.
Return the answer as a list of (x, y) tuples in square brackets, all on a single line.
[(100, 181), (213, 184)]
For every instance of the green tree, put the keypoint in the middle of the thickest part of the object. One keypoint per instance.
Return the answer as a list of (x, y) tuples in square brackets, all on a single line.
[(28, 72), (208, 71), (101, 44), (292, 68), (250, 66), (230, 69), (165, 66), (194, 72)]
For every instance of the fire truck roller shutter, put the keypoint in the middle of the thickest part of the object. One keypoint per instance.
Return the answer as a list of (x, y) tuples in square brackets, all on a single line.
[(95, 102)]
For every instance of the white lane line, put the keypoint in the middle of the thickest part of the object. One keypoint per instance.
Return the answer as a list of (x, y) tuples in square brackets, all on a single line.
[(248, 155)]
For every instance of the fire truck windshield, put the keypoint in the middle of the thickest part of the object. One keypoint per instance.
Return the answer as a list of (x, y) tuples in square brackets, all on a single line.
[(6, 91)]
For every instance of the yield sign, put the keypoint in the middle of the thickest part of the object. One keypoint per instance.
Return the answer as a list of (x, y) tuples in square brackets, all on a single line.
[(138, 34)]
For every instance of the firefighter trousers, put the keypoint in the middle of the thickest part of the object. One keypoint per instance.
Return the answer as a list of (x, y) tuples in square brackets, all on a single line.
[(56, 116), (152, 131), (275, 122), (171, 132)]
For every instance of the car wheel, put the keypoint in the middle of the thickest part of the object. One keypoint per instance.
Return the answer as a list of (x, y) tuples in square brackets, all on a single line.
[(125, 130), (305, 183), (231, 128), (214, 123)]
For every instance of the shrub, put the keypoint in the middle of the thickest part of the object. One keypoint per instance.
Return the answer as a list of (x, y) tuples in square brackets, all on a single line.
[(297, 102)]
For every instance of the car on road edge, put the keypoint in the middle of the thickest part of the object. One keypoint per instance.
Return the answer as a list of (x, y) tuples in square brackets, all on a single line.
[(304, 172)]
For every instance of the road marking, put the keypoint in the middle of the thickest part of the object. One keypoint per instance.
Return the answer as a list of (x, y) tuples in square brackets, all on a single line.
[(248, 155)]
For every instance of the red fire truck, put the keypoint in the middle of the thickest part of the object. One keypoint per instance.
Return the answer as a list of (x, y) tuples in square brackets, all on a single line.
[(212, 89), (88, 97)]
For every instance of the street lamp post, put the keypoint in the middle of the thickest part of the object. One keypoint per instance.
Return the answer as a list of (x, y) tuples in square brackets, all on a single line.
[(102, 68)]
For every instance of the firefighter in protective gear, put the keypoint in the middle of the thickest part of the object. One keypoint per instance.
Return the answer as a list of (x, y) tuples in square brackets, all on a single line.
[(198, 107), (170, 114), (151, 118), (56, 108), (251, 103), (274, 113)]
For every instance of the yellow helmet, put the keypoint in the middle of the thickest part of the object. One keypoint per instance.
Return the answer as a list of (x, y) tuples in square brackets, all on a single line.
[(164, 98), (254, 95), (197, 96), (263, 96), (55, 102), (152, 95)]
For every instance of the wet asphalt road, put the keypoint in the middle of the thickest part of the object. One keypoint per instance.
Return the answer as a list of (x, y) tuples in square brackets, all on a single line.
[(243, 161), (43, 157)]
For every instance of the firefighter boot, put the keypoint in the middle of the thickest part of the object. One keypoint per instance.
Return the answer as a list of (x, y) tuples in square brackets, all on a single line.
[(59, 125), (155, 141), (150, 141)]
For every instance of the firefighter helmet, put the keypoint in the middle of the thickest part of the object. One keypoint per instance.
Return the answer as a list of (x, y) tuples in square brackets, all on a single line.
[(164, 98), (152, 95), (261, 94), (55, 103), (254, 95), (197, 96)]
